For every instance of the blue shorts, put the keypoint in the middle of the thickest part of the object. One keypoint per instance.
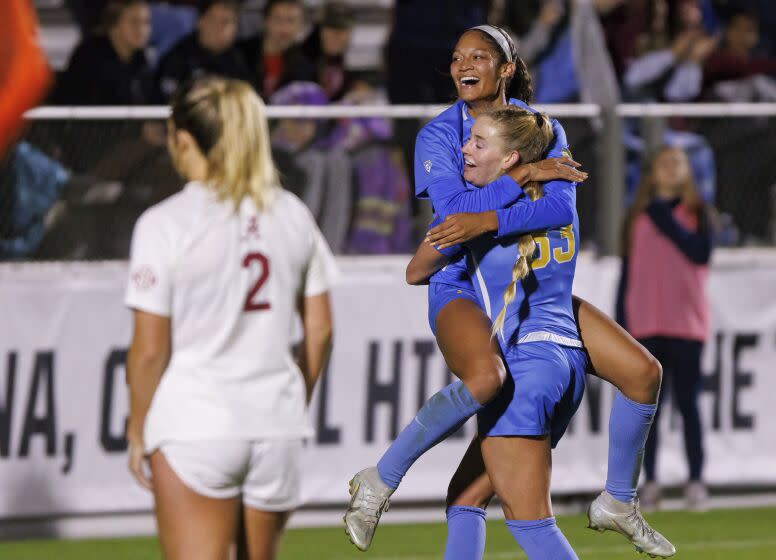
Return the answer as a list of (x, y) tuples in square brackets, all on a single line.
[(541, 396), (440, 294)]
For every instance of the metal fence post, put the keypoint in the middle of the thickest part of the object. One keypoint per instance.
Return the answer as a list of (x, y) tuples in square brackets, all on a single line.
[(610, 196), (652, 130)]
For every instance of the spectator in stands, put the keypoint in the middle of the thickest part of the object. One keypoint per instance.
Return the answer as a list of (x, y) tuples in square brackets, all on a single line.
[(209, 50), (169, 21), (733, 72), (299, 146), (623, 26), (668, 67), (766, 13), (273, 55), (110, 67), (671, 55), (125, 158), (662, 299), (326, 47), (566, 49)]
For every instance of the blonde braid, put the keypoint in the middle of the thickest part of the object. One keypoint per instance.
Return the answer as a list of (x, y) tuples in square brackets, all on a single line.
[(526, 246)]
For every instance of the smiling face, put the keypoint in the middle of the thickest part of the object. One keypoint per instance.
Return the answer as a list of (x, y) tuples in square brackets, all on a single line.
[(476, 69), (485, 156)]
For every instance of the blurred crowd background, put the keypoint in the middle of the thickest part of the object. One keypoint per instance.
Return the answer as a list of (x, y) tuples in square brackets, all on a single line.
[(73, 188)]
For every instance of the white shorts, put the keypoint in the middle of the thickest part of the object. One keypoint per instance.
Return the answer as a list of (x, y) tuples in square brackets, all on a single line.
[(265, 472)]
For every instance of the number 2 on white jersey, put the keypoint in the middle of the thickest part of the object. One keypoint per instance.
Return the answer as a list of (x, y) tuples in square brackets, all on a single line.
[(250, 300)]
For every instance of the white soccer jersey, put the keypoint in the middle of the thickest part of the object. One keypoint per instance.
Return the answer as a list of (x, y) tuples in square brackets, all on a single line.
[(230, 282)]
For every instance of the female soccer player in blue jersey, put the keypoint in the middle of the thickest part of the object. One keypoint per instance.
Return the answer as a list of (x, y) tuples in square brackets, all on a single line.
[(484, 62), (528, 292)]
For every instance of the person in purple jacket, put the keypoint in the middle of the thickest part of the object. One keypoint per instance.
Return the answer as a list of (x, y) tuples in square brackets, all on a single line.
[(484, 63)]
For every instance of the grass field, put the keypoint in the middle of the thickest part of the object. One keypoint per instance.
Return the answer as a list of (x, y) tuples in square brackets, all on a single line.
[(741, 534)]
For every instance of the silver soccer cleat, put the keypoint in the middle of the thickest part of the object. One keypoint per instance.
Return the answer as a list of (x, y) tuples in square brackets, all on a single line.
[(606, 513), (368, 500)]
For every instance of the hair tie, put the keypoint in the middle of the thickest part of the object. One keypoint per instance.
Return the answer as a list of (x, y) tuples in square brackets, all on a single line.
[(539, 119)]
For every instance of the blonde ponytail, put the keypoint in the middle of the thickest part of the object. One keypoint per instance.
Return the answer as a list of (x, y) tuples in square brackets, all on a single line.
[(529, 134), (228, 121), (526, 246)]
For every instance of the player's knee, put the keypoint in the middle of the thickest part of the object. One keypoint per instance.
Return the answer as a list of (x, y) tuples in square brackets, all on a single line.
[(652, 375), (646, 386), (484, 379), (461, 494)]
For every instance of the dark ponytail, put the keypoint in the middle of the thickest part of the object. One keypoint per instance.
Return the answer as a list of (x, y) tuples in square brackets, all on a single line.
[(522, 85)]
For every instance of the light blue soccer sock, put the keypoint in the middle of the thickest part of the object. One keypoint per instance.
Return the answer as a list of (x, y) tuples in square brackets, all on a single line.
[(443, 414), (629, 425), (541, 539), (465, 533)]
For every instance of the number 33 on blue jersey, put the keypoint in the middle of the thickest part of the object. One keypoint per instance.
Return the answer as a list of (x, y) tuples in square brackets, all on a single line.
[(559, 254)]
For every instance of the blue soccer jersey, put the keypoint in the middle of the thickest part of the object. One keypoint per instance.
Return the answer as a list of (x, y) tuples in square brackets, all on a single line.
[(542, 308), (439, 176)]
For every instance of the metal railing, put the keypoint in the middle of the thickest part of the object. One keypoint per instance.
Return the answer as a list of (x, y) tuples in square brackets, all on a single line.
[(608, 122)]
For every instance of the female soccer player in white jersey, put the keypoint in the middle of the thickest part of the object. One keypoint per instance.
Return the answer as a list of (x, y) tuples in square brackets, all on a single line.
[(217, 275), (483, 64)]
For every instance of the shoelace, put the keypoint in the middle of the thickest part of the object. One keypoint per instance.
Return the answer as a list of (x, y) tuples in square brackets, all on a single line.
[(637, 519), (373, 505)]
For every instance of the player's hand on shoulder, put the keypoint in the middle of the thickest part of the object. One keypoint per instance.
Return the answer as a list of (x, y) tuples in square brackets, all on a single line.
[(550, 169)]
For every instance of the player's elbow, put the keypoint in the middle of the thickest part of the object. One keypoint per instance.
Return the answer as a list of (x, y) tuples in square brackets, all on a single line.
[(142, 358), (414, 275)]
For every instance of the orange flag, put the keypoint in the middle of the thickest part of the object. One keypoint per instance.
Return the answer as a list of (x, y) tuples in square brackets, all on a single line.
[(25, 75)]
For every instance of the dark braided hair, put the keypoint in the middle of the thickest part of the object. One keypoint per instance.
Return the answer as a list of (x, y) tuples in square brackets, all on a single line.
[(519, 85)]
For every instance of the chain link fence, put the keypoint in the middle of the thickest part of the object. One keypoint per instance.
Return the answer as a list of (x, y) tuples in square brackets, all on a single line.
[(75, 184)]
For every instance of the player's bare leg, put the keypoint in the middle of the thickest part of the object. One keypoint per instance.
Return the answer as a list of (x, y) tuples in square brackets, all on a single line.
[(470, 485), (619, 359), (263, 530), (463, 335), (616, 356), (520, 469), (191, 526)]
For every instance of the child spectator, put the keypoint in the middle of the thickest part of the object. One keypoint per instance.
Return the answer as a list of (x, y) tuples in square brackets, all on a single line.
[(662, 300), (209, 50)]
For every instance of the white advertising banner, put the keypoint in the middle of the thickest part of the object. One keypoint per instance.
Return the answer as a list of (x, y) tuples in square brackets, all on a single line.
[(63, 405)]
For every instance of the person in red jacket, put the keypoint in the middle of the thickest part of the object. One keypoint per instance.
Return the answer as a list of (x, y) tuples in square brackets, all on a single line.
[(24, 73)]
